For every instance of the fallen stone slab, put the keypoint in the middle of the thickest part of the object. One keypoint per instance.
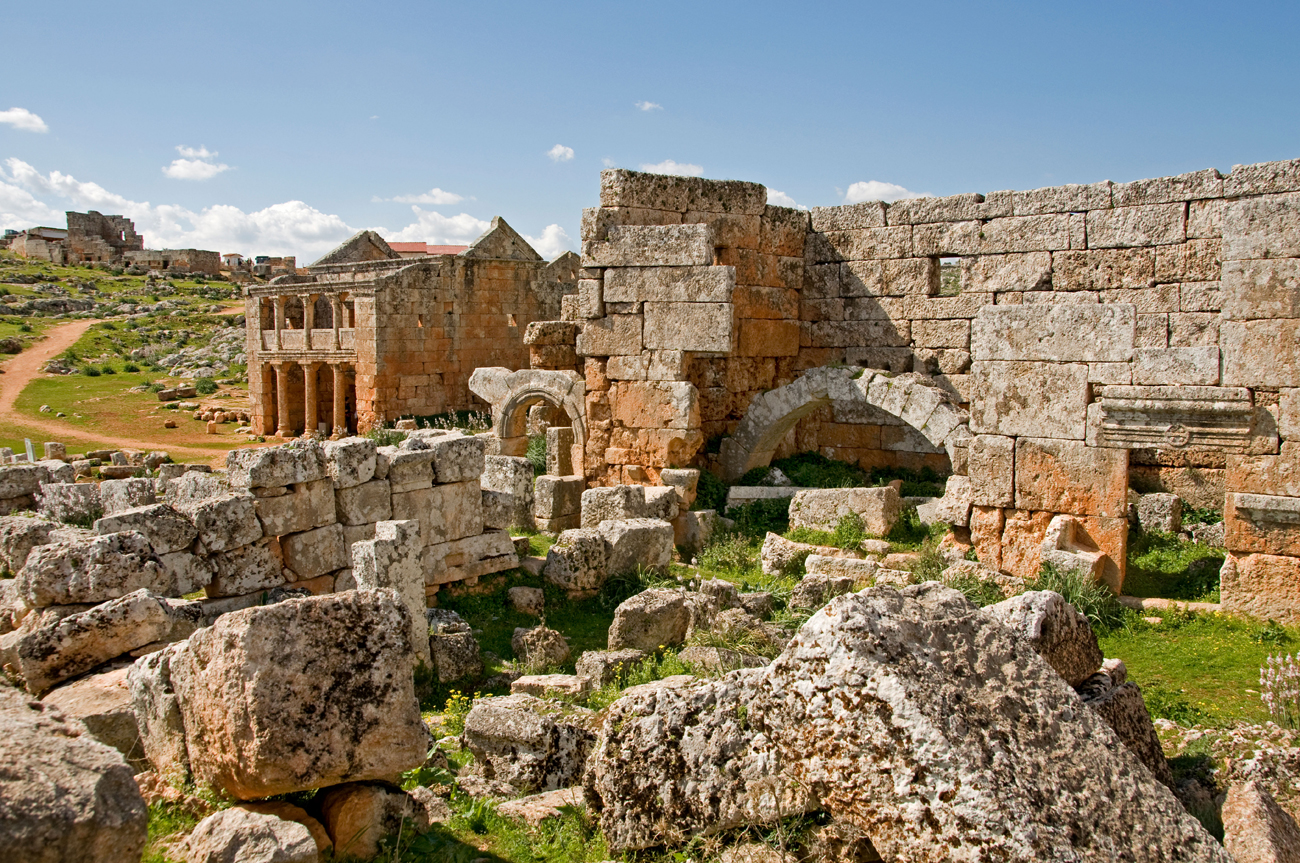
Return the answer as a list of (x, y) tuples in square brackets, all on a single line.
[(637, 543), (102, 702), (577, 561), (651, 620), (536, 808), (302, 694), (67, 797), (19, 535), (822, 508), (815, 590), (359, 817), (530, 743), (550, 685), (1055, 630), (239, 834), (452, 645), (166, 529), (272, 467), (781, 556), (1256, 829), (94, 569)]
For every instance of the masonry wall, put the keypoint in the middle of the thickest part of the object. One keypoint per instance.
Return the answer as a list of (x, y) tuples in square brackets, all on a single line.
[(93, 236)]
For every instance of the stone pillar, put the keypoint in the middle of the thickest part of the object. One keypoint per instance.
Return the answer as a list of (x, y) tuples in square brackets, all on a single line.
[(309, 397), (340, 401), (308, 319), (336, 310), (279, 322), (392, 560), (282, 395)]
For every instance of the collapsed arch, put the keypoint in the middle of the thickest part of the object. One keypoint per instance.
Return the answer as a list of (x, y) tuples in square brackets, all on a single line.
[(511, 394), (913, 398)]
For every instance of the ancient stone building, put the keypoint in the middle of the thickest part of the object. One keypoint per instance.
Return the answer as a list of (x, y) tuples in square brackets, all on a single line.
[(187, 260), (94, 237), (368, 336), (41, 244), (1098, 336)]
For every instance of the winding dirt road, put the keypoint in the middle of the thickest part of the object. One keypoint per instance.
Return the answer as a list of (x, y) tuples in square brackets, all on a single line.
[(24, 368)]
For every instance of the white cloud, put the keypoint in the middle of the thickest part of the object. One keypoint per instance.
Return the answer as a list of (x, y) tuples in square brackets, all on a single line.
[(876, 190), (608, 162), (440, 230), (193, 169), (23, 120), (649, 106), (560, 153), (289, 228), (552, 243), (191, 153), (781, 199), (434, 196), (668, 166)]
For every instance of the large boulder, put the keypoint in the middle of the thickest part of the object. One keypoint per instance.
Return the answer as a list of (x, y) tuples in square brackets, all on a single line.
[(301, 694), (91, 569), (651, 620), (822, 508), (930, 726), (61, 648), (1256, 829), (529, 743), (240, 835), (270, 467), (577, 561), (637, 543), (63, 795), (1054, 629), (538, 647), (102, 702), (157, 712)]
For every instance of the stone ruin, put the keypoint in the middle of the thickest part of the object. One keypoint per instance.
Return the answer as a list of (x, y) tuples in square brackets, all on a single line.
[(1094, 337), (369, 336)]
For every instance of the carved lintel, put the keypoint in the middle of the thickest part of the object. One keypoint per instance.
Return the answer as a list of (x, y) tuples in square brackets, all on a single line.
[(1267, 508), (1128, 417)]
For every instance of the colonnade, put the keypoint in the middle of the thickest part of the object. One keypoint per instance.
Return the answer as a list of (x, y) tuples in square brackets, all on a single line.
[(311, 407), (338, 309)]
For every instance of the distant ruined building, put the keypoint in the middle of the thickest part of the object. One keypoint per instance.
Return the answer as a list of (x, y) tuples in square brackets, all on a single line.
[(93, 238), (372, 333)]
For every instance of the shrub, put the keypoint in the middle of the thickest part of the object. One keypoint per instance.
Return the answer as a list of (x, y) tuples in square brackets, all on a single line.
[(710, 493), (109, 370), (648, 670), (761, 516), (130, 368), (537, 453), (849, 532), (205, 386), (1094, 600), (730, 552), (90, 371)]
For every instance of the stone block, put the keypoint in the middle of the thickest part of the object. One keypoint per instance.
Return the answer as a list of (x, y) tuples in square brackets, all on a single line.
[(558, 496), (656, 405), (530, 743), (821, 509), (941, 334), (1057, 333), (578, 560), (21, 480), (89, 569), (469, 557), (703, 327), (270, 467), (1066, 476), (186, 572), (634, 544), (1032, 399), (1030, 271), (1103, 269), (224, 522), (998, 236), (670, 284), (71, 503), (1192, 261), (1263, 178), (1160, 190), (1252, 290), (363, 504), (991, 467), (307, 505), (165, 528), (1261, 353), (498, 509), (559, 450), (1205, 219), (514, 476), (350, 461), (1147, 225), (840, 334), (117, 495), (1176, 366), (1062, 199), (392, 560), (315, 552), (652, 246), (767, 338), (623, 188), (868, 214), (1160, 511), (1262, 523), (408, 470), (1055, 629), (1262, 586), (1266, 227), (613, 335), (456, 457), (301, 694), (247, 569)]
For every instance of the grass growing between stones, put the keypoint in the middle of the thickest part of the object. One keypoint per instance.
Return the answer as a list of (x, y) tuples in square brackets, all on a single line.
[(477, 831), (1164, 565)]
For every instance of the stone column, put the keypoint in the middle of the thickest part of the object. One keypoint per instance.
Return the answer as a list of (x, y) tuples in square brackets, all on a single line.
[(340, 402), (308, 319), (336, 309), (309, 397), (282, 396), (279, 321)]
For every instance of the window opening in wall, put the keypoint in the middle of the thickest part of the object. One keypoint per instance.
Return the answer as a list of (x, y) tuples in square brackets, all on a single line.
[(949, 277), (512, 321), (419, 321)]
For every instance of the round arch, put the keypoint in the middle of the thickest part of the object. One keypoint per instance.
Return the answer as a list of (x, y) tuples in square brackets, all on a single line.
[(511, 394), (913, 398)]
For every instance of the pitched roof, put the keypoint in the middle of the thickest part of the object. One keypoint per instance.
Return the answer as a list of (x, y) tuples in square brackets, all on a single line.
[(426, 249)]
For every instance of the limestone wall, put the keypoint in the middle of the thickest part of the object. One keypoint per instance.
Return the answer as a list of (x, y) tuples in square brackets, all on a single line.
[(1088, 327)]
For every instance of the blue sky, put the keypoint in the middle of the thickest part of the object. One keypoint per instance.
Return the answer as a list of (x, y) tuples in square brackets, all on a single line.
[(323, 113)]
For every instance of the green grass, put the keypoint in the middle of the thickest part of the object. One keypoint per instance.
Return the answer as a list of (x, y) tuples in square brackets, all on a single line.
[(1199, 667), (1163, 565), (477, 831), (165, 820)]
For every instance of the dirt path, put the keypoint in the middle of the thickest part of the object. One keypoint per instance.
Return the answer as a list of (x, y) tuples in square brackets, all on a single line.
[(24, 368)]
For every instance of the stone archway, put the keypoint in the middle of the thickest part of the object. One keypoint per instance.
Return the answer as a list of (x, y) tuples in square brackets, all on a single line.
[(512, 393), (913, 398)]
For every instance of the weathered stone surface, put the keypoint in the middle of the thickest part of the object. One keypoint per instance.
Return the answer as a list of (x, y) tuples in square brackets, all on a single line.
[(244, 570), (1256, 829), (527, 600), (603, 667), (158, 714), (1160, 511), (269, 467), (822, 508), (315, 552), (102, 702), (532, 744), (350, 461), (1124, 710), (1069, 477), (1024, 272), (858, 571), (1265, 586), (1147, 225), (612, 335), (606, 503), (1260, 353), (307, 505), (166, 529), (226, 521), (18, 536), (1193, 366), (359, 817), (1055, 333), (577, 560), (63, 648), (456, 457), (513, 476), (93, 569), (670, 284), (392, 560), (539, 647), (1055, 630), (558, 496), (1264, 227), (652, 246), (117, 495), (239, 835), (66, 796), (301, 694), (550, 685), (536, 808), (453, 646), (650, 620), (498, 509), (365, 503), (71, 503), (781, 556), (689, 326), (815, 590), (638, 543), (22, 480), (1032, 399)]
